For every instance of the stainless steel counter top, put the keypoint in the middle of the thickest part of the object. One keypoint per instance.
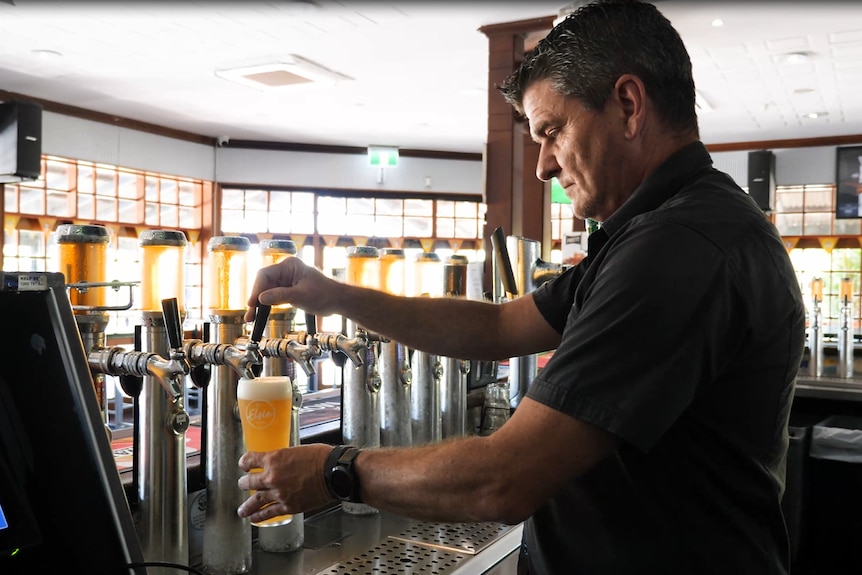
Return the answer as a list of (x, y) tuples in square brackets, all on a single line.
[(829, 387), (337, 543)]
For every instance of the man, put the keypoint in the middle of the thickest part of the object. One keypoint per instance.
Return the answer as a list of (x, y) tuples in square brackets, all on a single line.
[(654, 440)]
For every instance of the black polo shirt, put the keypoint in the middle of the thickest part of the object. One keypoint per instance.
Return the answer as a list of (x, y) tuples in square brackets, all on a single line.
[(682, 333)]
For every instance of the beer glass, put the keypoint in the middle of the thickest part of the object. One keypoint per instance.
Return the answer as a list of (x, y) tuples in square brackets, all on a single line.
[(265, 405)]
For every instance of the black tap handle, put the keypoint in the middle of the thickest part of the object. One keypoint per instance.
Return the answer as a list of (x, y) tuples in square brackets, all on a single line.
[(200, 375), (171, 311), (310, 323), (507, 276), (260, 317)]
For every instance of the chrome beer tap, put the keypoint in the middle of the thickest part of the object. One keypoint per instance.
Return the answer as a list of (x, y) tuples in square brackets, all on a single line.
[(160, 469), (227, 537), (815, 332), (286, 348)]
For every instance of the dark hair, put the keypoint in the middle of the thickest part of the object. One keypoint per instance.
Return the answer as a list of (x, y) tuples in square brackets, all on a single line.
[(586, 53)]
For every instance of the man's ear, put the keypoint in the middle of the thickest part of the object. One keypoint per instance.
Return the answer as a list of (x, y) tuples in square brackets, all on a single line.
[(630, 92)]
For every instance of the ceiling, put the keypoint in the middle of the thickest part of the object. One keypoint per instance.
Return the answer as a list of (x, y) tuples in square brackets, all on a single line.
[(414, 73)]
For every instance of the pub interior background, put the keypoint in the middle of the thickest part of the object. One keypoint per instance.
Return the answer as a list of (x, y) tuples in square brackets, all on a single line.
[(128, 177)]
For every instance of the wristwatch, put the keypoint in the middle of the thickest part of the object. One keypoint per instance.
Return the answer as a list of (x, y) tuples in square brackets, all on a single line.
[(339, 474)]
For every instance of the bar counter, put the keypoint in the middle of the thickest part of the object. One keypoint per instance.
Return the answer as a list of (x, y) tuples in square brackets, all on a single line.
[(829, 387)]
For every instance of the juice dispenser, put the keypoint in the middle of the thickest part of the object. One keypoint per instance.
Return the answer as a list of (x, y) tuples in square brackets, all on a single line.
[(83, 261)]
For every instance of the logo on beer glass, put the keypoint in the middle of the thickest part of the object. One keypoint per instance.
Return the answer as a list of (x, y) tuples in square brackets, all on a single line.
[(260, 414)]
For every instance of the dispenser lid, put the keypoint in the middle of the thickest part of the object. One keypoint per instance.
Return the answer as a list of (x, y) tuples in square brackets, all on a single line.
[(162, 238), (427, 257), (82, 234), (279, 246), (457, 260), (362, 252), (228, 244), (392, 253)]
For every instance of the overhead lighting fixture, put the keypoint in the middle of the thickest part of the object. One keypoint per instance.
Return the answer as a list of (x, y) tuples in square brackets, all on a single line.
[(797, 57), (717, 23), (46, 54), (700, 103), (287, 71), (815, 115)]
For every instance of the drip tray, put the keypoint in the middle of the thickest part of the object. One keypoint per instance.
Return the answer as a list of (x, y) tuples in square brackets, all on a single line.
[(392, 556), (469, 538)]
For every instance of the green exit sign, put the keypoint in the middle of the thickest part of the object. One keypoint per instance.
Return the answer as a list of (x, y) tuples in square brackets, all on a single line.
[(382, 157)]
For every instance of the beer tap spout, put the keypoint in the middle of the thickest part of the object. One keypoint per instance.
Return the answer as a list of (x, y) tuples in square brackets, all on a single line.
[(118, 361), (354, 348), (240, 360)]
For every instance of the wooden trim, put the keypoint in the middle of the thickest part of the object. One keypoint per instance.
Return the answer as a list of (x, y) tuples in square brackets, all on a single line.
[(519, 27), (85, 114), (790, 143), (353, 150)]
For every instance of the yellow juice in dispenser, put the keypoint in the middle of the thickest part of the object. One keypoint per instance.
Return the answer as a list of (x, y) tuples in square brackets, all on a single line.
[(83, 258), (162, 268), (228, 272)]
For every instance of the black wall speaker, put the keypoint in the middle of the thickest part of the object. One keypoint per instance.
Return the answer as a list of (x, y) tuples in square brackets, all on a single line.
[(761, 178), (20, 141)]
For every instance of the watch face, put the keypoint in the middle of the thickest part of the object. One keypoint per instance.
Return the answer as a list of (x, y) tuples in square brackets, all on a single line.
[(342, 483)]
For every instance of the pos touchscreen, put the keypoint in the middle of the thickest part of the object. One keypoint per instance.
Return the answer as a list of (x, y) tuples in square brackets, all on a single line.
[(63, 506)]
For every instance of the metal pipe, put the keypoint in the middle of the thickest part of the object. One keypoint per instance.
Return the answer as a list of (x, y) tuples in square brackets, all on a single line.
[(227, 538), (453, 379), (360, 407), (396, 378), (425, 398), (161, 470)]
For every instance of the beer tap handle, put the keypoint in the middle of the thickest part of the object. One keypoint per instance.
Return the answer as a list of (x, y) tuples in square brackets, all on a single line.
[(171, 312), (310, 323), (507, 275), (260, 317), (131, 384), (200, 375)]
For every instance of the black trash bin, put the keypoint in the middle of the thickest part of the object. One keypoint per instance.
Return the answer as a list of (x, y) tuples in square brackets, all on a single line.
[(836, 495)]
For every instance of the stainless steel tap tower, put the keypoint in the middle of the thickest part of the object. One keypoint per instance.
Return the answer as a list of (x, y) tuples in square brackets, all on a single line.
[(162, 420), (427, 369), (815, 331), (227, 538), (453, 379), (360, 404), (522, 271), (396, 375), (846, 356)]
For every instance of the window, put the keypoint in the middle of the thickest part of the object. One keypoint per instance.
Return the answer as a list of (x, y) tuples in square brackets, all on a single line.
[(125, 201)]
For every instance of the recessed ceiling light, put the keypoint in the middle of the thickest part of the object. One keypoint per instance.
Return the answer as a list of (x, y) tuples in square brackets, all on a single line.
[(815, 115), (717, 23), (46, 54), (797, 57), (288, 70)]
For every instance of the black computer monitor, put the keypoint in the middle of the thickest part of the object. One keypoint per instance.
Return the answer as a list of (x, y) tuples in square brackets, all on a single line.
[(64, 509)]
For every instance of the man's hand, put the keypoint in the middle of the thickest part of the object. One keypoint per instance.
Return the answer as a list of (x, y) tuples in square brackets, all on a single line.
[(285, 481), (291, 281)]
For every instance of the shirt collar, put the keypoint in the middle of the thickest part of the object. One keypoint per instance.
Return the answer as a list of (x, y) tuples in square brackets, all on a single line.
[(659, 186)]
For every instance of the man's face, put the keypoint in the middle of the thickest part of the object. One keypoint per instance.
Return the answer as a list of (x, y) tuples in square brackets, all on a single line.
[(584, 150)]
